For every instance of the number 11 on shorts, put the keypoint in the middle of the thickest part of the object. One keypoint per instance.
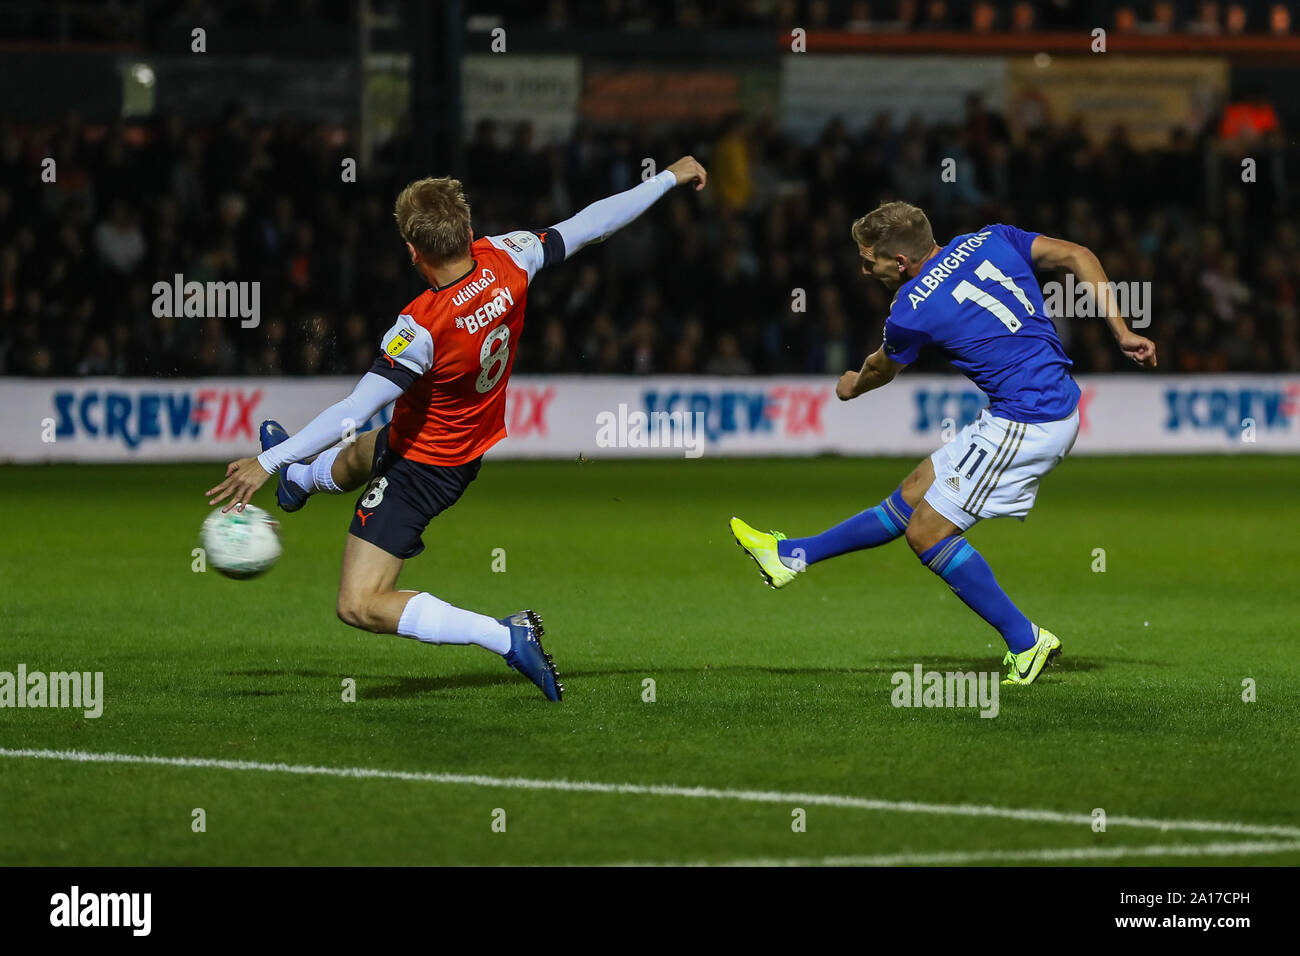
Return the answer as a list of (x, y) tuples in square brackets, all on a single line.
[(978, 461)]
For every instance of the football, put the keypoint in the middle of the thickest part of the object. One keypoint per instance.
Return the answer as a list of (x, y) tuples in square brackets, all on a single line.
[(241, 544)]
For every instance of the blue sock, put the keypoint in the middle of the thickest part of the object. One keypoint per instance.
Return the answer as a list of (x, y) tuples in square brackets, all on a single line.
[(878, 525), (971, 579)]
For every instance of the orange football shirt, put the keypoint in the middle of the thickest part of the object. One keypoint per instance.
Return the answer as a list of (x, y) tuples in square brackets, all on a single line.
[(455, 411)]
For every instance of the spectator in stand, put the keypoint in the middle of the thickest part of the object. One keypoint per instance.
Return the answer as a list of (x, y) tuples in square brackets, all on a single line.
[(703, 285), (729, 168)]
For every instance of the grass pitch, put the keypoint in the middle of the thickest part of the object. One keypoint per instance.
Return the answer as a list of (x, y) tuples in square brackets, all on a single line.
[(633, 568)]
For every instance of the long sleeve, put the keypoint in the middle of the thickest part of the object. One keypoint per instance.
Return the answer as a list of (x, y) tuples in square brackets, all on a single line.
[(606, 216), (372, 393)]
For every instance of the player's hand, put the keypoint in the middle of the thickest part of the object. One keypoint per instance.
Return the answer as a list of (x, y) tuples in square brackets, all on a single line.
[(243, 477), (687, 170), (847, 386), (1139, 349)]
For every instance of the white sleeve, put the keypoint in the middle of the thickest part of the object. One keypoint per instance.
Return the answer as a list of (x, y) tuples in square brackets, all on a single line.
[(409, 344), (600, 219), (372, 393), (530, 250)]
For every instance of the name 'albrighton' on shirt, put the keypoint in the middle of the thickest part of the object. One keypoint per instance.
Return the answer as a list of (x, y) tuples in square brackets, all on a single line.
[(979, 303)]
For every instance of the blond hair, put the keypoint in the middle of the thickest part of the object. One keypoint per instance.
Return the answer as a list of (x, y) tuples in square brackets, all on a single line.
[(433, 216), (894, 228)]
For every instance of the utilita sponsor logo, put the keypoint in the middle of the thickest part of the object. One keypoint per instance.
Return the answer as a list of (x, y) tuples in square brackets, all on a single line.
[(474, 286)]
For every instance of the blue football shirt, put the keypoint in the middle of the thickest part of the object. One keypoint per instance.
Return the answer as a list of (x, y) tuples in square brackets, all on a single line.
[(978, 302)]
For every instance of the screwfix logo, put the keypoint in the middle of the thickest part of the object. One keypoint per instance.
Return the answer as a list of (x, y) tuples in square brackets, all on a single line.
[(1271, 408), (133, 414), (140, 415), (527, 408), (935, 406), (790, 411), (654, 430)]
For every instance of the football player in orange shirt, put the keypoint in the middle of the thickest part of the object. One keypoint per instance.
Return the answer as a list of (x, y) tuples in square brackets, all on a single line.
[(445, 362)]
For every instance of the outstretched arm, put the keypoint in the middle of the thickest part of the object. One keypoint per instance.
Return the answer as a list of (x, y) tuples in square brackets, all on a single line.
[(533, 251), (407, 354), (1051, 253), (328, 428), (607, 216), (245, 476), (879, 369)]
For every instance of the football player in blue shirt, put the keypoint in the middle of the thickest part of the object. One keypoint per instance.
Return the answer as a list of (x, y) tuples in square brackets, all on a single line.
[(977, 301)]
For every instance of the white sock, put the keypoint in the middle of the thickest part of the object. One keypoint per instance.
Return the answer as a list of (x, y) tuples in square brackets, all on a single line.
[(299, 474), (317, 476), (434, 621)]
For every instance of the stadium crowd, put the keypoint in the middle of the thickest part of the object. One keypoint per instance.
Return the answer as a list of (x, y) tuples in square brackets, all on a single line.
[(1196, 17), (135, 20), (704, 283)]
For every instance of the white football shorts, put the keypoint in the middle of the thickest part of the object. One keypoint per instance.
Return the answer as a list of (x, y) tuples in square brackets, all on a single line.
[(993, 466)]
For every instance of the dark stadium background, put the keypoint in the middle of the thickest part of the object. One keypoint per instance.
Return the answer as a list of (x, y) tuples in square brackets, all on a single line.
[(703, 713), (229, 170)]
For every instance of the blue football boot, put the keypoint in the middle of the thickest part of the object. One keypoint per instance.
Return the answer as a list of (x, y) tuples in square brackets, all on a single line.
[(526, 654), (288, 495)]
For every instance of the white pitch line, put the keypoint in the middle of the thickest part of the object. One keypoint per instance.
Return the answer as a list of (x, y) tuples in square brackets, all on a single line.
[(665, 790), (1041, 856)]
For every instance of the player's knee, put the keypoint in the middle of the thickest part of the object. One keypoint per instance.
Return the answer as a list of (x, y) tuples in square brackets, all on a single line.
[(349, 611), (919, 538), (354, 610)]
